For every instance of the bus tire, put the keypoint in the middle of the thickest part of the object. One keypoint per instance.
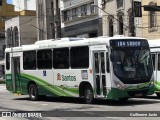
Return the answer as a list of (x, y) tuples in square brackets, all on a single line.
[(33, 92), (88, 95), (158, 95)]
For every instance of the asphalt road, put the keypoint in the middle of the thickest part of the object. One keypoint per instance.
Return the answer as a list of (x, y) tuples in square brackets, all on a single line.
[(52, 108)]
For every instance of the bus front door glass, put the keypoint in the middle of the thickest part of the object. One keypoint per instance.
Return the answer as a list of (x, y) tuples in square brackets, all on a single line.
[(15, 74), (154, 59), (100, 72), (158, 67)]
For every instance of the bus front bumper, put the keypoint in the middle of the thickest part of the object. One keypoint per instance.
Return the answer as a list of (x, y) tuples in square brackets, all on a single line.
[(117, 93)]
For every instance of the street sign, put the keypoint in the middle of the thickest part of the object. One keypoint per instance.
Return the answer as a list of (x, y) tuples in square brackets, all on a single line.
[(151, 8)]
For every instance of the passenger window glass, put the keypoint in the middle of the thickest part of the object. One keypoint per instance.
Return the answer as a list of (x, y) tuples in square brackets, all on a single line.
[(44, 59), (80, 57), (29, 60), (61, 58)]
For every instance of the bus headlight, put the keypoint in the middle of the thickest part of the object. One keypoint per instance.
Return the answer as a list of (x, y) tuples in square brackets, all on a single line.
[(118, 85)]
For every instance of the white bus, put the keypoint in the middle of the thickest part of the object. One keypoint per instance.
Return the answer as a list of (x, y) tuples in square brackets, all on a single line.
[(104, 67), (155, 51)]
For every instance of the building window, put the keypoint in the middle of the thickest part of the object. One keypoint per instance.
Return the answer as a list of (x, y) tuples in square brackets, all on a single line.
[(52, 8), (152, 18), (15, 37), (74, 13), (92, 8), (66, 15), (83, 10), (110, 28), (119, 3), (9, 37), (120, 25)]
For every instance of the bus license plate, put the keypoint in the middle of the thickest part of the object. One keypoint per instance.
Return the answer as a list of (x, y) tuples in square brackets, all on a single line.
[(138, 95)]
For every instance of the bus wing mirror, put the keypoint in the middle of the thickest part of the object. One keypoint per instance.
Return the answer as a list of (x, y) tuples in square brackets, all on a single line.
[(111, 57)]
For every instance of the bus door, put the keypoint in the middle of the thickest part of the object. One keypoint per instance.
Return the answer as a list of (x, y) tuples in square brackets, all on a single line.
[(15, 70), (99, 66)]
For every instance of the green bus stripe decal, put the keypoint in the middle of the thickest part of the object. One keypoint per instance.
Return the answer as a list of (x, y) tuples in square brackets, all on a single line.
[(55, 89), (140, 86), (157, 86)]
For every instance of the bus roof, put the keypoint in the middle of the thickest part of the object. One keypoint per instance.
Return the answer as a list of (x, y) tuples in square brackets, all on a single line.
[(67, 42), (154, 43)]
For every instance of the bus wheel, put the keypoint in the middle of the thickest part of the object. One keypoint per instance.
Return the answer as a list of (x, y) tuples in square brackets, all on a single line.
[(33, 92), (88, 95), (158, 95)]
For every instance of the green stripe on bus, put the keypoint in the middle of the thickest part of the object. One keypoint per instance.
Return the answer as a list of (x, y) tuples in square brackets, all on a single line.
[(157, 86), (55, 89), (139, 86)]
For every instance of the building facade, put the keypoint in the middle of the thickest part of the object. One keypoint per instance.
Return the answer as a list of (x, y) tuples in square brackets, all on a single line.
[(48, 19), (81, 18), (20, 5), (118, 18), (151, 21), (20, 31), (6, 12)]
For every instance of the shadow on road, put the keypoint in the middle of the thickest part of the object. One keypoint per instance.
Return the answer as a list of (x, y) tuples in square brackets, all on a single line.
[(130, 102)]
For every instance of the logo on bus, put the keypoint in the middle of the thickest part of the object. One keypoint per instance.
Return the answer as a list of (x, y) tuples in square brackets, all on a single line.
[(66, 78), (58, 76)]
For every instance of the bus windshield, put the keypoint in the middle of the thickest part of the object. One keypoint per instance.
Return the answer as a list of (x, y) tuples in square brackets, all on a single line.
[(132, 64)]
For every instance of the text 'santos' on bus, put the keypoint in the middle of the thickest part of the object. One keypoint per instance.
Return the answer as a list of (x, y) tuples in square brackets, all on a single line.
[(105, 67)]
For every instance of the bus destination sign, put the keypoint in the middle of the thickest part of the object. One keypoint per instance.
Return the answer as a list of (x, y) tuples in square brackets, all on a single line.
[(127, 43)]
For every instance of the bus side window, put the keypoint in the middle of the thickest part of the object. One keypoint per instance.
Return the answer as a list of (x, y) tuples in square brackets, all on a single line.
[(44, 59), (158, 62), (29, 60), (61, 58), (107, 63), (79, 57), (153, 59)]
